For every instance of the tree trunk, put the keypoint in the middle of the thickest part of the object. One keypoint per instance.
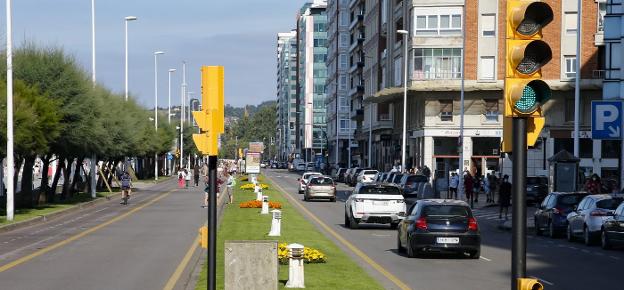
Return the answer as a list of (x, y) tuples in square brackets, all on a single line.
[(27, 183), (57, 176), (18, 195), (43, 189)]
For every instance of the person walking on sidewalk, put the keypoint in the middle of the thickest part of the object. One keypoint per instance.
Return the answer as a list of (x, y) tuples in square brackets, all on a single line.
[(468, 186), (196, 171), (453, 184), (230, 182), (593, 185), (504, 197), (181, 178), (487, 187), (187, 177)]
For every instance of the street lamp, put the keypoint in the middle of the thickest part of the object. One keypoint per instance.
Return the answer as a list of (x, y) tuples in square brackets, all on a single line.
[(127, 19), (183, 108), (171, 71), (10, 158), (156, 54), (93, 157), (405, 33)]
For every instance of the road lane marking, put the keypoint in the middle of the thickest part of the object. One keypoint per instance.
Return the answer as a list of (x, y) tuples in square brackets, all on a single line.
[(378, 235), (173, 280), (484, 258), (614, 257), (542, 280), (346, 243), (81, 235)]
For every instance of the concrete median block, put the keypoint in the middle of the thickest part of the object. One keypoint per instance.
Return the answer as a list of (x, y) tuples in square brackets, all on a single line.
[(251, 265)]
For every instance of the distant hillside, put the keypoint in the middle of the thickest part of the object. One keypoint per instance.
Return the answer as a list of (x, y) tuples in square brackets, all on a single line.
[(238, 112)]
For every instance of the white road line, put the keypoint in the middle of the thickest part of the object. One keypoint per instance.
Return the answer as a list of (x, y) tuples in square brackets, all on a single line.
[(484, 258), (585, 251), (378, 235), (614, 257), (542, 280)]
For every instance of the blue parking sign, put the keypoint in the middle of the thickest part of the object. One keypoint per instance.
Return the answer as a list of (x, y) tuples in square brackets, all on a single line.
[(606, 120)]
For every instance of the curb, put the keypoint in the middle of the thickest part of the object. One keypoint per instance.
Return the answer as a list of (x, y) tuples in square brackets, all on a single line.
[(57, 214)]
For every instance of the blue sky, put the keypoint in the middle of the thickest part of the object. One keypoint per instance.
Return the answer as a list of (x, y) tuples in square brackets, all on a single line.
[(238, 34)]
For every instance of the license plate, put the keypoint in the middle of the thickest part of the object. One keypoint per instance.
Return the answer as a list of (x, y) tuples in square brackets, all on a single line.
[(448, 240), (382, 203)]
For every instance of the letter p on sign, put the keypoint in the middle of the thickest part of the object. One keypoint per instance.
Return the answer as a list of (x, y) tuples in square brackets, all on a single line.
[(606, 120)]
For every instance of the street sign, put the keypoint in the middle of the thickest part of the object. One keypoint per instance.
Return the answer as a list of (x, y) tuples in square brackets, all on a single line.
[(252, 162), (606, 117), (169, 156), (256, 147)]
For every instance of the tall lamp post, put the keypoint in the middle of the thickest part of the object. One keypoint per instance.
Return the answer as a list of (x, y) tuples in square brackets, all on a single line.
[(93, 157), (156, 54), (127, 19), (182, 109), (405, 33), (10, 160), (171, 71)]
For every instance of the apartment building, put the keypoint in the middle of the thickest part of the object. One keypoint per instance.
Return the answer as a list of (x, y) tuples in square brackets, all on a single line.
[(312, 78), (286, 93), (357, 10), (339, 124), (435, 52)]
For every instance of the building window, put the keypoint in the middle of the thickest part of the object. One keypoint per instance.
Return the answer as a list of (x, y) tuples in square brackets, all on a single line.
[(319, 27), (343, 61), (570, 22), (320, 42), (437, 21), (437, 63), (343, 82), (344, 125), (344, 104), (398, 71), (344, 19), (602, 11), (446, 110), (488, 25), (383, 112), (569, 66), (487, 68), (344, 40), (491, 110)]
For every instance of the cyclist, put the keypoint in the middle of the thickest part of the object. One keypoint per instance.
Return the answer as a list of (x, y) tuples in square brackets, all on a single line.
[(126, 185)]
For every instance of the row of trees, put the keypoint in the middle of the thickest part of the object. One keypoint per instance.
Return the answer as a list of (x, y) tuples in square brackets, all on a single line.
[(59, 114)]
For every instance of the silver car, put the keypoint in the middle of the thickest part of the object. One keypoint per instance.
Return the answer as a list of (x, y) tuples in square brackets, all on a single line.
[(320, 187), (587, 219)]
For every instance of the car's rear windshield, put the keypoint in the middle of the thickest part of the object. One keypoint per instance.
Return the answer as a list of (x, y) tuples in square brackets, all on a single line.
[(445, 210), (389, 190), (611, 203), (321, 181), (369, 172), (570, 199), (536, 180), (308, 176)]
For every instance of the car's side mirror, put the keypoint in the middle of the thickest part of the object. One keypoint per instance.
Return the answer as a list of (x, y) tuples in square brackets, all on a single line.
[(575, 208)]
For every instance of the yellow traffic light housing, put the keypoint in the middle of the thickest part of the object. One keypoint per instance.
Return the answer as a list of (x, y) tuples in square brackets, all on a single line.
[(211, 118), (526, 54), (529, 284), (203, 237)]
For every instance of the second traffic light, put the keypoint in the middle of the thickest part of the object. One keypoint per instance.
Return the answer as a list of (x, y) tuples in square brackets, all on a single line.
[(526, 54)]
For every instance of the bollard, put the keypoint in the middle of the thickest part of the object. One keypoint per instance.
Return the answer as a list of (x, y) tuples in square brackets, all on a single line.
[(258, 191), (265, 205), (276, 223), (295, 266)]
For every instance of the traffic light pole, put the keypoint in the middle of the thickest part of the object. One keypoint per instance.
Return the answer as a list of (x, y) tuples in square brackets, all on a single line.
[(518, 244), (212, 224)]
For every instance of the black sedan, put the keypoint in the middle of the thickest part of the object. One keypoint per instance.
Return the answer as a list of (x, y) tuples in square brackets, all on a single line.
[(612, 233), (439, 225)]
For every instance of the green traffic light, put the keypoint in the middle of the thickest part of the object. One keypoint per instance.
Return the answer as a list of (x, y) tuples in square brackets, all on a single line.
[(534, 93)]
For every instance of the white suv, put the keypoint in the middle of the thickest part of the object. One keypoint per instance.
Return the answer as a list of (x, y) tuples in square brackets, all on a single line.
[(305, 178), (375, 203), (367, 176)]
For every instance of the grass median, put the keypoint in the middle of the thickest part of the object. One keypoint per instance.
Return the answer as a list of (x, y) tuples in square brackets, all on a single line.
[(24, 214), (340, 271)]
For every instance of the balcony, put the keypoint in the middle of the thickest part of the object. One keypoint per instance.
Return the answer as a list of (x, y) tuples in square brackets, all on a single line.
[(357, 115), (359, 19), (355, 44), (356, 91), (599, 38), (598, 74)]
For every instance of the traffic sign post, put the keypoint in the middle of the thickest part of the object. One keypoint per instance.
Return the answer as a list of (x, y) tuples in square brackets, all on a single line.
[(607, 123)]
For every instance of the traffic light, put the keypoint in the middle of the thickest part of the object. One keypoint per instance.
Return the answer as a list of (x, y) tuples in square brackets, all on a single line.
[(203, 237), (529, 284), (526, 54), (210, 119)]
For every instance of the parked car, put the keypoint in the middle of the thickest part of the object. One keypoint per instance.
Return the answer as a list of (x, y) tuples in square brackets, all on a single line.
[(283, 165), (439, 225), (552, 213), (374, 203), (346, 174), (321, 187), (409, 183), (353, 176), (310, 166), (612, 233), (536, 189), (300, 166), (587, 219), (338, 176), (305, 178), (274, 165), (367, 176)]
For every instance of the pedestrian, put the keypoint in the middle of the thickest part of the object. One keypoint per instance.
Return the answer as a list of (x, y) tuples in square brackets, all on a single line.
[(187, 178), (231, 182), (453, 184), (426, 171), (487, 187), (196, 171), (181, 178), (468, 186), (504, 197), (419, 170), (593, 185)]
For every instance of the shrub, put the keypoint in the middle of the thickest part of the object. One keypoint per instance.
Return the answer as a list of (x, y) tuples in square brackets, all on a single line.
[(250, 186), (310, 255)]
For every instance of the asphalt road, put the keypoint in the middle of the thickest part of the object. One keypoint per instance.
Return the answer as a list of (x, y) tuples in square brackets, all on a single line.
[(557, 263), (109, 246)]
